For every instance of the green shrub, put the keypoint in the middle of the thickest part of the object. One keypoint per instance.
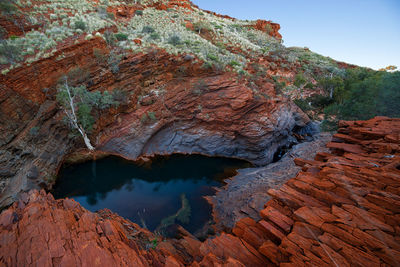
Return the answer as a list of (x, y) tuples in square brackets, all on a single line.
[(148, 117), (110, 38), (206, 65), (242, 73), (139, 12), (121, 36), (8, 7), (152, 116), (279, 86), (144, 118), (110, 15), (10, 52), (174, 40), (234, 63), (113, 62), (212, 57), (155, 36), (3, 33), (147, 29), (361, 95), (303, 104), (80, 24), (309, 86), (299, 80), (120, 97), (320, 101), (313, 102), (85, 102), (100, 56)]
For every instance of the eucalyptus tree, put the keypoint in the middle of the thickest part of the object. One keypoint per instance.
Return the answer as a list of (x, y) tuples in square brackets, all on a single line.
[(79, 105)]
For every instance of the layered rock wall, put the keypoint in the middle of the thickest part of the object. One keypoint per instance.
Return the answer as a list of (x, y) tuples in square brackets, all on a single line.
[(342, 209), (171, 104)]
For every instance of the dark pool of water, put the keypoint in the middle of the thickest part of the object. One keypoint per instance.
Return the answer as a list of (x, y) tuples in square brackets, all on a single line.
[(158, 195)]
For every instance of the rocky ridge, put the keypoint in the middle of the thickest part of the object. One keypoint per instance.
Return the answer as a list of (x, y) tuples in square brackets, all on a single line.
[(341, 209)]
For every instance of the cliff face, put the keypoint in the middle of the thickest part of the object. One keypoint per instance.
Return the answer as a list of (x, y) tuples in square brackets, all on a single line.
[(195, 110), (341, 209), (214, 99)]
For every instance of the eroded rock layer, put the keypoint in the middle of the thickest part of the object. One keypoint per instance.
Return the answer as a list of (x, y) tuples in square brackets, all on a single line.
[(245, 194), (170, 105), (342, 209)]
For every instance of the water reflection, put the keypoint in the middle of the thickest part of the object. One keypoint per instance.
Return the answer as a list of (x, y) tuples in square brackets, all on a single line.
[(149, 194)]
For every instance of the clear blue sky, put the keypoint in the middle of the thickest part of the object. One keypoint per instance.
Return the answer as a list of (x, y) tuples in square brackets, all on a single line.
[(362, 32)]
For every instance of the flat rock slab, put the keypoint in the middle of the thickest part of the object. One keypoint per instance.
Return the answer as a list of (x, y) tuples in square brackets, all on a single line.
[(246, 193)]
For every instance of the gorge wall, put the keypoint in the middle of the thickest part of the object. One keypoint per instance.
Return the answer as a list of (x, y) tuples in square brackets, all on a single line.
[(342, 209), (216, 88), (195, 110)]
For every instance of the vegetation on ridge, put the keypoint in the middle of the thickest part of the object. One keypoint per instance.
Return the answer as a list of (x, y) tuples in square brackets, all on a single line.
[(359, 94), (317, 84)]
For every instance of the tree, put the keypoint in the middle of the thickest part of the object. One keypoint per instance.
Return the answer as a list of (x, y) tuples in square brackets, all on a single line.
[(77, 104), (333, 85), (8, 7), (10, 52), (200, 26)]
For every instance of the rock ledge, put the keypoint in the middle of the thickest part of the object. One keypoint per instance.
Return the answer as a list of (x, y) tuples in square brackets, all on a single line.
[(342, 209)]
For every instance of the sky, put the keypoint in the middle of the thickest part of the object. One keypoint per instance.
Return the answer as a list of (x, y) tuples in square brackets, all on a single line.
[(361, 32)]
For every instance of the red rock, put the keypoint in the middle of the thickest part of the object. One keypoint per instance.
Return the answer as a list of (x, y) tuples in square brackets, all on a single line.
[(225, 246), (172, 262), (271, 231), (268, 27), (329, 255), (388, 204), (302, 162), (369, 219), (7, 218), (352, 255), (342, 215), (137, 41), (306, 230), (346, 147), (189, 25), (272, 252), (284, 222), (314, 216)]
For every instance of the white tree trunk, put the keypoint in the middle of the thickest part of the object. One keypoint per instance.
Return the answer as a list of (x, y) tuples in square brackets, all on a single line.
[(87, 142), (74, 120)]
